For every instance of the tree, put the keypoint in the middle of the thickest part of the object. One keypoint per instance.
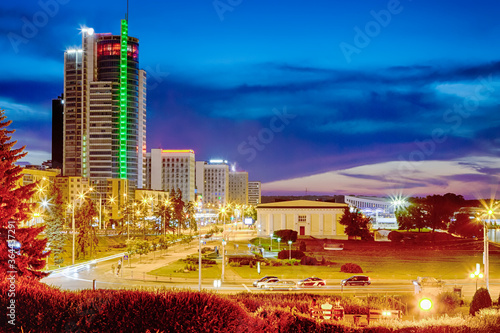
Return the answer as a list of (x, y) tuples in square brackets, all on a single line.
[(251, 211), (190, 212), (55, 223), (413, 217), (440, 209), (357, 225), (87, 238), (178, 209), (138, 246), (164, 211), (464, 226), (21, 250)]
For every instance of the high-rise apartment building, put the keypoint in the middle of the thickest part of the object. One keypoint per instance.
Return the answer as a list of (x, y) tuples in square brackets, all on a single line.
[(254, 193), (105, 110), (238, 187), (212, 181), (168, 170)]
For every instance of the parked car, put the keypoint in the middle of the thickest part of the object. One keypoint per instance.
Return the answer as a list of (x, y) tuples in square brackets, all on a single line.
[(264, 279), (279, 285), (312, 282), (356, 280)]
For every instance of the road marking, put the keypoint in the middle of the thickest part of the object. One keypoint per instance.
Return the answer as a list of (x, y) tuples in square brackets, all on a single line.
[(244, 285)]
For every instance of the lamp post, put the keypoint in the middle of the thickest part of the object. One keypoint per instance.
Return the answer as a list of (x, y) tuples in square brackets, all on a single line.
[(223, 258), (279, 241), (271, 236), (476, 275), (289, 250), (487, 251)]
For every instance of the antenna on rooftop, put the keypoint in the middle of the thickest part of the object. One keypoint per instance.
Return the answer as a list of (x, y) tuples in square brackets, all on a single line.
[(126, 15)]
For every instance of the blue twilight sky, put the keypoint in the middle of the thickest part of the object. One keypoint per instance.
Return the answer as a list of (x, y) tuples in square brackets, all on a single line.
[(333, 97)]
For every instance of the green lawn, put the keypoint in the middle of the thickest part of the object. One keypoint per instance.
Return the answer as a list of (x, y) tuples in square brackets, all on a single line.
[(172, 270)]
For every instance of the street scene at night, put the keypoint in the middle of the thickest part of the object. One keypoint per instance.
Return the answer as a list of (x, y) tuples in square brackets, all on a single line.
[(250, 166)]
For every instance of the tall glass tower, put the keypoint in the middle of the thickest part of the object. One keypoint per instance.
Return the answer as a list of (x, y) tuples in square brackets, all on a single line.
[(105, 109)]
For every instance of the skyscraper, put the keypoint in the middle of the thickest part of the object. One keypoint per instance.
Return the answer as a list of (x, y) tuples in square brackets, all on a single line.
[(105, 109)]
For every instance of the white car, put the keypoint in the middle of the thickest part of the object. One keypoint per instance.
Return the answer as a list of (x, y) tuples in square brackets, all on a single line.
[(268, 281), (280, 285)]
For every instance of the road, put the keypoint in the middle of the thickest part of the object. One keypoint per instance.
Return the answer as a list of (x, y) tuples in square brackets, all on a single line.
[(105, 279)]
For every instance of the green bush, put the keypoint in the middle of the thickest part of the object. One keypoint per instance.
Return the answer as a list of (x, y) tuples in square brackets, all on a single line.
[(481, 300), (311, 261), (286, 235), (351, 268), (295, 254), (395, 236), (447, 302)]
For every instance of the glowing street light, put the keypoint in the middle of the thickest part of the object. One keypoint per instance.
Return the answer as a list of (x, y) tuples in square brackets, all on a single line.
[(271, 237), (476, 275), (279, 241), (425, 304), (289, 250)]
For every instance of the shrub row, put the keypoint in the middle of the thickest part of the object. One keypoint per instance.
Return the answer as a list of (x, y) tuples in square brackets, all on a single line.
[(40, 308)]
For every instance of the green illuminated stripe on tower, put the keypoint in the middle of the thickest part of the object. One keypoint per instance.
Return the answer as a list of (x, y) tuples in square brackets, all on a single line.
[(123, 100)]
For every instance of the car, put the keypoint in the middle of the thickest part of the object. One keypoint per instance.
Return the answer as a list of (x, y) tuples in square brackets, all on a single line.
[(279, 285), (264, 279), (263, 283), (356, 280), (312, 282)]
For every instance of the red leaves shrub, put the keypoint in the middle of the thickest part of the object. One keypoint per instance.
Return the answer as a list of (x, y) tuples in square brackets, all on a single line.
[(40, 308), (351, 268)]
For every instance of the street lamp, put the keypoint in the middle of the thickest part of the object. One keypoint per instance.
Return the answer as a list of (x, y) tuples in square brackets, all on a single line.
[(223, 258), (487, 250), (271, 236), (279, 241), (476, 275), (289, 250)]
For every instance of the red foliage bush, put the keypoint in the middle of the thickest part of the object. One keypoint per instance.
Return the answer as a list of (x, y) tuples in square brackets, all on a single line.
[(351, 268)]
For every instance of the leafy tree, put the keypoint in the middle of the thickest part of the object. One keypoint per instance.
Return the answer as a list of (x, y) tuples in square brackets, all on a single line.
[(138, 246), (465, 226), (440, 209), (55, 223), (178, 209), (413, 217), (164, 212), (190, 212), (357, 225), (251, 211), (29, 259), (87, 238)]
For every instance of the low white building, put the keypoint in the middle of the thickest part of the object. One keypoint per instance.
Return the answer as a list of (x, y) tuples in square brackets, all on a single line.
[(308, 218)]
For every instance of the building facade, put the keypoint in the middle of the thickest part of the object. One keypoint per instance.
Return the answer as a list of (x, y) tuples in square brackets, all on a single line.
[(254, 193), (308, 218), (212, 182), (238, 187), (104, 110), (168, 170), (380, 210)]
